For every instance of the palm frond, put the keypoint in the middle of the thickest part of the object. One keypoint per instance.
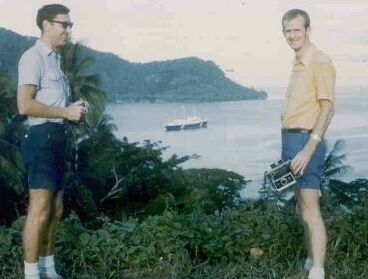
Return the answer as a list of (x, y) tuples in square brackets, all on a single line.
[(335, 166)]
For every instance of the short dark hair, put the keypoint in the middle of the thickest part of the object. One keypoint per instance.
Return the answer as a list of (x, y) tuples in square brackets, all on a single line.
[(48, 12), (293, 13)]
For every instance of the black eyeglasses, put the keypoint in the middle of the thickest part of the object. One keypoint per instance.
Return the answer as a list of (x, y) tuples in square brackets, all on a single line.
[(65, 24)]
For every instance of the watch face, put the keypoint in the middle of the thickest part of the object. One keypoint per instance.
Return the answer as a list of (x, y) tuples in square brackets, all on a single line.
[(315, 137)]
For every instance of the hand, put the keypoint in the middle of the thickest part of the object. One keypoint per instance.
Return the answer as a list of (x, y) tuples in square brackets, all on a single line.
[(75, 111), (301, 159)]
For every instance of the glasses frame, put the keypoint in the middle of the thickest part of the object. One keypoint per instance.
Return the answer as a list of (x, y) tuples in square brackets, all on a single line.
[(65, 24)]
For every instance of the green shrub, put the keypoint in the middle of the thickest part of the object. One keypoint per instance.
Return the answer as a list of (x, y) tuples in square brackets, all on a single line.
[(198, 245)]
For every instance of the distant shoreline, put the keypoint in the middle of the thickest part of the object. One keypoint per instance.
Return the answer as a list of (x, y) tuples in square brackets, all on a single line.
[(180, 102)]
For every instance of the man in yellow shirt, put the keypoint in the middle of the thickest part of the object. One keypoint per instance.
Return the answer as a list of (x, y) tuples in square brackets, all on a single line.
[(307, 112)]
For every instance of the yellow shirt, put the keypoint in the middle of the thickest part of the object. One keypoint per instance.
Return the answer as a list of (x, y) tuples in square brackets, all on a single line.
[(312, 78)]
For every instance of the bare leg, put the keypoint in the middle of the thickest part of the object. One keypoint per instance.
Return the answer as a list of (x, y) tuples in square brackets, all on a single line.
[(37, 217), (48, 238), (306, 234), (309, 208)]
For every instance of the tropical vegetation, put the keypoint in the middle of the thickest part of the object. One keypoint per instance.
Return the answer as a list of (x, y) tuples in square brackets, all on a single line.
[(131, 214)]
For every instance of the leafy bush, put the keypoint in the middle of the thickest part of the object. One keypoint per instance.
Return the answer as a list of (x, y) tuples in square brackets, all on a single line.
[(198, 245)]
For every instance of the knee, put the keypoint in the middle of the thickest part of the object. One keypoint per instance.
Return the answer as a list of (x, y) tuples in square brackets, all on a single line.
[(40, 215), (58, 212), (309, 213)]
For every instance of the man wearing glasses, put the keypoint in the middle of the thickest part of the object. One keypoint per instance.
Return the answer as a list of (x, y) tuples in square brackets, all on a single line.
[(43, 92), (307, 112)]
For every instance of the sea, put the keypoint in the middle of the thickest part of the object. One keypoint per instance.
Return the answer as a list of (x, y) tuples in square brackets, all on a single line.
[(243, 136)]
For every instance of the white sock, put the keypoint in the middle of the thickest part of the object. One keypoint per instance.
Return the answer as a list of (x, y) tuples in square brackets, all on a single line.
[(308, 264), (316, 273), (47, 265), (31, 270)]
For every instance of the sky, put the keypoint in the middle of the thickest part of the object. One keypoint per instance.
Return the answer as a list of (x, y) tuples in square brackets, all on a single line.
[(243, 37)]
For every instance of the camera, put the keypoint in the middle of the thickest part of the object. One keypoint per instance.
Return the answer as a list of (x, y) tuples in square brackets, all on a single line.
[(82, 119), (85, 104), (281, 175)]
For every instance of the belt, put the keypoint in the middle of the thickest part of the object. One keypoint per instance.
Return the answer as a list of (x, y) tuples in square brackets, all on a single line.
[(295, 130)]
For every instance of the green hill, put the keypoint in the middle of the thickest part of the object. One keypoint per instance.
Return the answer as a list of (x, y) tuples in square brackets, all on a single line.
[(179, 80)]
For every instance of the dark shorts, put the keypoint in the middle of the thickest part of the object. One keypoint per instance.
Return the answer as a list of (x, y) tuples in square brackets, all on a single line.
[(292, 143), (43, 153)]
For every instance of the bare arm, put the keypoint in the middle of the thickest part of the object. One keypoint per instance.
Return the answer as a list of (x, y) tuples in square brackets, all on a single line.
[(302, 158), (27, 105), (324, 118)]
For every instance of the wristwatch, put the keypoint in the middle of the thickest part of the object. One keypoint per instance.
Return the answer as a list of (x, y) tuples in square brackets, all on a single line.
[(315, 137)]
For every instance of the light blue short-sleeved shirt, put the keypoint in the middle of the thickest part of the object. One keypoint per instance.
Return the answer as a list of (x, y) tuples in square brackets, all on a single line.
[(40, 66)]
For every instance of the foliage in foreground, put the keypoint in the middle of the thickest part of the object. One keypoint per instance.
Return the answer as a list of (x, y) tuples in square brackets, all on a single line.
[(199, 245)]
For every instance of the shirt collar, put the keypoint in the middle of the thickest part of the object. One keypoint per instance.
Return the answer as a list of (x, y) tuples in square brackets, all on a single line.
[(306, 58), (46, 50)]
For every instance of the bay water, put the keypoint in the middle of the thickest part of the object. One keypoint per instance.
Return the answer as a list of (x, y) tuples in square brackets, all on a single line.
[(242, 136)]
